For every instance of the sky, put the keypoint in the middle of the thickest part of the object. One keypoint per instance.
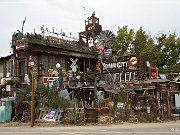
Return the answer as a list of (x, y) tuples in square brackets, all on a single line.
[(155, 16)]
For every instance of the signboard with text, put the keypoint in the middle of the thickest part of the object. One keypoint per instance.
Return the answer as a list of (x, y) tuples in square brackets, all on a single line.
[(128, 63), (50, 79)]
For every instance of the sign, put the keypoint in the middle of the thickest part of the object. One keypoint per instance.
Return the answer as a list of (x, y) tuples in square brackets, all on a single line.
[(8, 87), (50, 79), (148, 109), (107, 53), (50, 116), (125, 64), (34, 71), (132, 68), (31, 63), (153, 72), (98, 68), (120, 105), (133, 63), (74, 63), (131, 88), (116, 65), (137, 87), (55, 73), (99, 48), (50, 71), (133, 60)]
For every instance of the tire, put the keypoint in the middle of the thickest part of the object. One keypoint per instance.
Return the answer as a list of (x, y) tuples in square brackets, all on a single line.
[(3, 89)]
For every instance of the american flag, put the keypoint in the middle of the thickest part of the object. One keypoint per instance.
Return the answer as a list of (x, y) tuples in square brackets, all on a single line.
[(20, 47)]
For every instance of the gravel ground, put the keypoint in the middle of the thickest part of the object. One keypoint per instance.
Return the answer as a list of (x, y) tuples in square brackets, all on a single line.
[(55, 124)]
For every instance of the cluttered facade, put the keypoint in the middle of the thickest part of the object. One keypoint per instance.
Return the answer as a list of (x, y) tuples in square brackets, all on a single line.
[(84, 75)]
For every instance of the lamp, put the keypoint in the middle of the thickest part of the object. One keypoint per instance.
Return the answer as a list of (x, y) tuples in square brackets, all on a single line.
[(58, 66)]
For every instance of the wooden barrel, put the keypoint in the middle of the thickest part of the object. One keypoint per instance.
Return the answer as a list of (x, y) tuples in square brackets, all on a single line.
[(91, 115)]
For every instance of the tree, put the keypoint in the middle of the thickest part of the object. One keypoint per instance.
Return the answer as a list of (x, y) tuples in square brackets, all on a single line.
[(140, 41), (123, 39), (163, 52), (150, 53), (168, 47)]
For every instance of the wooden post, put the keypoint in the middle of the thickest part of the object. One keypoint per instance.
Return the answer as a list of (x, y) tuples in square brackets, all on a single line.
[(32, 102), (95, 90), (120, 77), (168, 105), (84, 68)]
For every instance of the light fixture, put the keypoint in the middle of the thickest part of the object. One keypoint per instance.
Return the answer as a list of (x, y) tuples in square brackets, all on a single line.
[(58, 65)]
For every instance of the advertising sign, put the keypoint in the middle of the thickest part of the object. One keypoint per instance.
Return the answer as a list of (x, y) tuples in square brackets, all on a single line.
[(50, 116), (153, 72), (50, 79)]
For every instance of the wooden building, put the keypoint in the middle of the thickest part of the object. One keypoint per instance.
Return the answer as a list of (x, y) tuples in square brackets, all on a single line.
[(44, 52), (5, 67)]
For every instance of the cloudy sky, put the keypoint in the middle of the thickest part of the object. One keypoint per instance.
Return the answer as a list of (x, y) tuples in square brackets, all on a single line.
[(155, 16)]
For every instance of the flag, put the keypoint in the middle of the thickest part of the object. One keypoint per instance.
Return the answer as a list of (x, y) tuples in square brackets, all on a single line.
[(20, 47)]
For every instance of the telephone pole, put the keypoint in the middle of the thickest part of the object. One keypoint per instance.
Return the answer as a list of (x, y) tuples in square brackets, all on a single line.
[(32, 102), (34, 75)]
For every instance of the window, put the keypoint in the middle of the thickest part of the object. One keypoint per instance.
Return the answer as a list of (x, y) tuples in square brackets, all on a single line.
[(21, 70)]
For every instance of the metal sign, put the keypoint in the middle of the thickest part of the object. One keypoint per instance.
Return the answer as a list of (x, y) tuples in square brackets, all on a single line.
[(50, 79), (153, 72), (120, 105)]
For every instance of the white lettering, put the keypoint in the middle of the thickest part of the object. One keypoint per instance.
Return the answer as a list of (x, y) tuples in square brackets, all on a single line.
[(118, 65)]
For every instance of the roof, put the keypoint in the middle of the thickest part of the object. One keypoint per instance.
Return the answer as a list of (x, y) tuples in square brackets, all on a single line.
[(5, 58)]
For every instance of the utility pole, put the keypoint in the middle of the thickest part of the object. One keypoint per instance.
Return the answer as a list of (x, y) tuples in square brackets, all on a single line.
[(33, 71), (34, 76), (32, 101)]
